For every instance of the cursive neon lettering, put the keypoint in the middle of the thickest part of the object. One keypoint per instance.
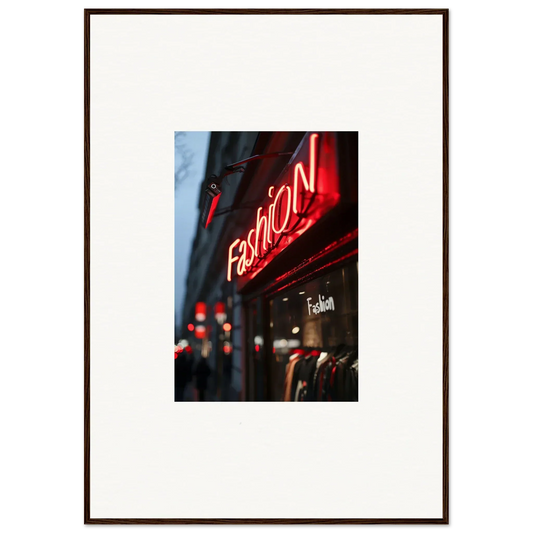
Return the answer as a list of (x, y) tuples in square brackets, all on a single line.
[(261, 223), (251, 248), (270, 221), (287, 210), (232, 259), (308, 184), (276, 216), (241, 265)]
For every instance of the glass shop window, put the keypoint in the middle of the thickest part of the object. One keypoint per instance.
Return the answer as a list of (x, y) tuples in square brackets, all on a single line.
[(255, 352), (314, 327)]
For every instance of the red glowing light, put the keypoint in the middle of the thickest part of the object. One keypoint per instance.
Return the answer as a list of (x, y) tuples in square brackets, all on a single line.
[(333, 246), (307, 191), (287, 209), (226, 326), (199, 332), (220, 312), (232, 259), (200, 312), (190, 327), (251, 247), (227, 349), (261, 223), (241, 265), (270, 222), (257, 347), (188, 349), (309, 185)]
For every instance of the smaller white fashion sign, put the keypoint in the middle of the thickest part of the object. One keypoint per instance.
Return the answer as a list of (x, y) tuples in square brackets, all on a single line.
[(322, 306)]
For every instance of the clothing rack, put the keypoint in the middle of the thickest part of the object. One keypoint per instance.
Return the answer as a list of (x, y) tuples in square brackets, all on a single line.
[(306, 379)]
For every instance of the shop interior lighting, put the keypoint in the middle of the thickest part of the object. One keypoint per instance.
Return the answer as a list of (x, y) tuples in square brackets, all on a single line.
[(213, 190), (284, 343)]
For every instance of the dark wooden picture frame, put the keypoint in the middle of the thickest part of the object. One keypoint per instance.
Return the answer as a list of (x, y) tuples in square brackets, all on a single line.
[(445, 265)]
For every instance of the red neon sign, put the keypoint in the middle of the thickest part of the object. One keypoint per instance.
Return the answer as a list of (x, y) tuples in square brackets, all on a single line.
[(306, 190)]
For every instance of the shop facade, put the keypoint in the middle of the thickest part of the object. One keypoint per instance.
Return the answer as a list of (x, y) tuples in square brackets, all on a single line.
[(277, 269)]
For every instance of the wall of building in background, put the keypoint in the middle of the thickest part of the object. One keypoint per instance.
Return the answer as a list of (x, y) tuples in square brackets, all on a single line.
[(206, 280)]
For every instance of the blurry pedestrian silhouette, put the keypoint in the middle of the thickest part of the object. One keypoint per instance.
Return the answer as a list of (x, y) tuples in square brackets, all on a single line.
[(181, 373), (202, 373)]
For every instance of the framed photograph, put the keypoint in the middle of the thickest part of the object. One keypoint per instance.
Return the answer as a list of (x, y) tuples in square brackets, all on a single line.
[(266, 266)]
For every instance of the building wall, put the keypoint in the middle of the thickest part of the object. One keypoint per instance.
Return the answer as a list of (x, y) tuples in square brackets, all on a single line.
[(206, 280)]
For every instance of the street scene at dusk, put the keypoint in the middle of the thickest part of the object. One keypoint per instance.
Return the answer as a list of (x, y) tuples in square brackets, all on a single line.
[(266, 266)]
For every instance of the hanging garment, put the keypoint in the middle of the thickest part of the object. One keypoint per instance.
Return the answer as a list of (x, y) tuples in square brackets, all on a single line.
[(289, 372), (344, 383), (309, 375), (327, 380), (294, 381), (318, 378), (303, 378), (353, 382)]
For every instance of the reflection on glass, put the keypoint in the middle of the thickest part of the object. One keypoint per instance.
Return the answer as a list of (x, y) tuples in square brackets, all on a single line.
[(255, 360), (320, 315)]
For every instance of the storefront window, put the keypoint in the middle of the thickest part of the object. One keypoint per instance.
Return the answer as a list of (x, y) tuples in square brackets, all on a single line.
[(316, 325)]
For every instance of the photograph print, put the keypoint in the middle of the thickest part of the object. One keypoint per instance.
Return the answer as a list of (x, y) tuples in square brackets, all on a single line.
[(266, 266)]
